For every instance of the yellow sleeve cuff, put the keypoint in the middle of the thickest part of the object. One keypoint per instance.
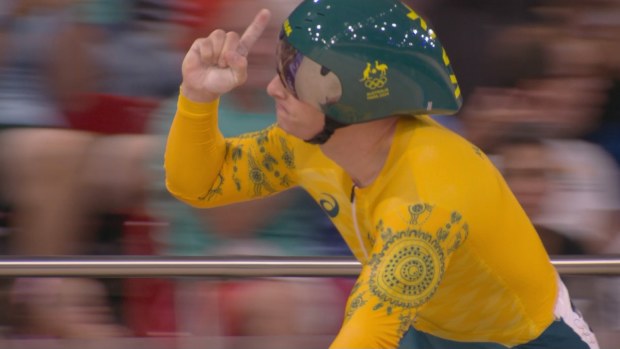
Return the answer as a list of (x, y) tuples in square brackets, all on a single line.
[(197, 110)]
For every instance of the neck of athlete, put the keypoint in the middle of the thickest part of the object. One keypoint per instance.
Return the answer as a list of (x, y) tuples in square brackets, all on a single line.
[(362, 149)]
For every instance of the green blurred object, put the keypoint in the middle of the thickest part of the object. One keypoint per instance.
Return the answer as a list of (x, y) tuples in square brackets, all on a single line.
[(104, 12), (234, 121)]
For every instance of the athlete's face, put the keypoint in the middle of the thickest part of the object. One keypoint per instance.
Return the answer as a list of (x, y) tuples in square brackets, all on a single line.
[(296, 117)]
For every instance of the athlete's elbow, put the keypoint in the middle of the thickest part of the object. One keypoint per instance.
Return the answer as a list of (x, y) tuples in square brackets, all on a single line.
[(185, 195)]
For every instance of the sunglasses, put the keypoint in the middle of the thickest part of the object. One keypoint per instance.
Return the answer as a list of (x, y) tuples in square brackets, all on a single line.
[(288, 62)]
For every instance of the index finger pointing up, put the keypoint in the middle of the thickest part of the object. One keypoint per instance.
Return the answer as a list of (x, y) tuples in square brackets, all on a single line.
[(253, 31)]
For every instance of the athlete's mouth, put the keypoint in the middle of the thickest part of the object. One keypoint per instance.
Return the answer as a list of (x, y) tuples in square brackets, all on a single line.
[(281, 108)]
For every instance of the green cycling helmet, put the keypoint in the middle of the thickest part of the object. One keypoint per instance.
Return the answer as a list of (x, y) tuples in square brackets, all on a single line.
[(361, 60)]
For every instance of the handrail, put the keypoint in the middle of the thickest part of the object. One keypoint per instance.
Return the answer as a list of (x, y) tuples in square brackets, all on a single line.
[(173, 267)]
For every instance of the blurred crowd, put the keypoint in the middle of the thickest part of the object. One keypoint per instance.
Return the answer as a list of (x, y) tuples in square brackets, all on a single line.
[(88, 89)]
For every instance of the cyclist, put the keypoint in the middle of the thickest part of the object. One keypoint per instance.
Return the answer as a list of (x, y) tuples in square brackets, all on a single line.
[(450, 259)]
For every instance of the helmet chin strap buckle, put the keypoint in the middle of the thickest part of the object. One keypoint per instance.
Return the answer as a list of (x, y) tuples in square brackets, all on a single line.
[(331, 125)]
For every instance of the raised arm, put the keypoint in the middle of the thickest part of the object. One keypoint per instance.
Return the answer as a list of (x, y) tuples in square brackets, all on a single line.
[(203, 168)]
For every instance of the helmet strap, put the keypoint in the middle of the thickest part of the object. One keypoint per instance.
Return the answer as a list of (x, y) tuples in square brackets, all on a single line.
[(331, 125)]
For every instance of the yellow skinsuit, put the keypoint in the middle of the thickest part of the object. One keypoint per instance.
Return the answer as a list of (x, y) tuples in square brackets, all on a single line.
[(445, 247)]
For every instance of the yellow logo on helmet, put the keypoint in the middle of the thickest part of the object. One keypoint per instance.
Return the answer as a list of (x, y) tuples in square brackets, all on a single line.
[(412, 14), (375, 78), (287, 28)]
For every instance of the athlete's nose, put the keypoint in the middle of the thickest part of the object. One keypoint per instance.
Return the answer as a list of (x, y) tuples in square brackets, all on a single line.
[(275, 88)]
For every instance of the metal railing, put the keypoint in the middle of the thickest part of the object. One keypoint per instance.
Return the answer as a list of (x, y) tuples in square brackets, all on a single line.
[(160, 266)]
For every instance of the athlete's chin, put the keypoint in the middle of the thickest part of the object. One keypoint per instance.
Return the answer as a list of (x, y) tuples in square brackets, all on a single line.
[(293, 129)]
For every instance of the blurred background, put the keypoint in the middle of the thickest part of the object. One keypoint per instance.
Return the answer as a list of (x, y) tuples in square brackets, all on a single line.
[(88, 89)]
